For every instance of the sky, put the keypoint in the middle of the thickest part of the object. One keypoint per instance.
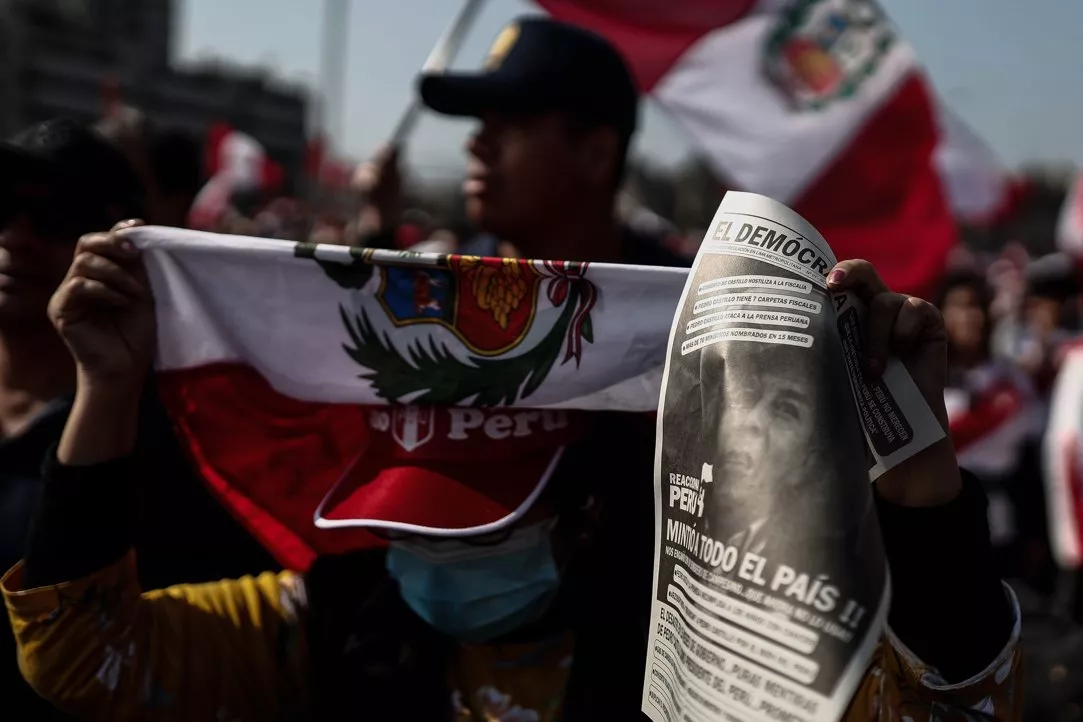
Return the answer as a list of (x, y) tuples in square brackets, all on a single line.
[(1008, 67)]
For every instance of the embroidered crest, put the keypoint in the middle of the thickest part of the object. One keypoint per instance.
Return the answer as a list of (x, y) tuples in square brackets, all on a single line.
[(501, 47), (822, 51)]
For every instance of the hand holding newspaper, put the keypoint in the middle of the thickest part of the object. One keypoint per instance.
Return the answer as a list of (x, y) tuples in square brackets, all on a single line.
[(770, 582)]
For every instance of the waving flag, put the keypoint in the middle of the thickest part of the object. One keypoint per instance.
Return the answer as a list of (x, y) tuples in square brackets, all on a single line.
[(979, 190), (816, 103), (279, 362)]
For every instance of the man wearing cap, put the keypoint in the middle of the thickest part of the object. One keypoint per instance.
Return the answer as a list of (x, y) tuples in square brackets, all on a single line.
[(1050, 317), (517, 578), (557, 108), (58, 180)]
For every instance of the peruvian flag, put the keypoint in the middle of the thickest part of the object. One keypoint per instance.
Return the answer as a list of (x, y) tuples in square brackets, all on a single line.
[(818, 104), (297, 373)]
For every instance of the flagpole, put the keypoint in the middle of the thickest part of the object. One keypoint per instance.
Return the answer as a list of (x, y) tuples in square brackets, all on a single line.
[(327, 104), (445, 50), (333, 65)]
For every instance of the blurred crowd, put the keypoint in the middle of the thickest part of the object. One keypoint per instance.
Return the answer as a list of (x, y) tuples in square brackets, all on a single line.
[(1011, 322)]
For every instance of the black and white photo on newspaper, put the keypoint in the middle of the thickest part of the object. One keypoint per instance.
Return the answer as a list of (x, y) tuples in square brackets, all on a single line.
[(770, 582)]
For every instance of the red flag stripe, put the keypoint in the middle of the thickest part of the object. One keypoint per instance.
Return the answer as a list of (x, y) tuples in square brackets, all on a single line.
[(881, 198), (270, 459), (998, 406), (651, 35)]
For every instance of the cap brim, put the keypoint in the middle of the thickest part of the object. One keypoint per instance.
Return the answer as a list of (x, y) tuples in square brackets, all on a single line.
[(436, 498), (470, 95)]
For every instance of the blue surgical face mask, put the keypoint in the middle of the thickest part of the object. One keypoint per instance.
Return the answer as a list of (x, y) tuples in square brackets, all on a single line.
[(476, 593)]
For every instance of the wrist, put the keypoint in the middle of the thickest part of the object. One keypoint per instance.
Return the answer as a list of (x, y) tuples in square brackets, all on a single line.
[(931, 478), (103, 423), (113, 389)]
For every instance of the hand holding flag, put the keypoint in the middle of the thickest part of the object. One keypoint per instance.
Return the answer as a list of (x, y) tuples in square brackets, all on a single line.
[(104, 311)]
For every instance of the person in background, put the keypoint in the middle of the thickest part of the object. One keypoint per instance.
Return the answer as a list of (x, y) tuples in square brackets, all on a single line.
[(58, 180), (416, 226), (441, 240), (996, 424), (1005, 276), (238, 216), (545, 162), (328, 229), (176, 177), (44, 169), (168, 162), (511, 587), (1050, 318)]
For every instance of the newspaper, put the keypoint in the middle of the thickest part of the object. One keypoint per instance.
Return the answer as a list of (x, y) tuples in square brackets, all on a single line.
[(770, 582)]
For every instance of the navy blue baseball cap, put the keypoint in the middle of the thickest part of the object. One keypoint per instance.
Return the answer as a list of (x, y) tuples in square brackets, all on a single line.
[(537, 64)]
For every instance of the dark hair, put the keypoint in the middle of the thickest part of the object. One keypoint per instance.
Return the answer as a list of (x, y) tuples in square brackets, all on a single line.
[(965, 278), (975, 281), (176, 163), (97, 184)]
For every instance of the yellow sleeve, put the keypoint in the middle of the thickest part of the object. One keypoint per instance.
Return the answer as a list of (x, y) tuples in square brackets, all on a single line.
[(899, 685), (100, 650)]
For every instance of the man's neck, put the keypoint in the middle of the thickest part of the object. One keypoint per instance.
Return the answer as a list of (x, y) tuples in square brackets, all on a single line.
[(575, 237), (35, 368)]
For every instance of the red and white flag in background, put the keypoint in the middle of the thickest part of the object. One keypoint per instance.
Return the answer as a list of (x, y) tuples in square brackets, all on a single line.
[(234, 161), (993, 413), (1070, 224), (816, 103)]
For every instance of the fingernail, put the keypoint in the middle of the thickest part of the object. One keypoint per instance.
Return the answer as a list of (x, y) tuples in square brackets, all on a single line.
[(836, 277), (127, 246)]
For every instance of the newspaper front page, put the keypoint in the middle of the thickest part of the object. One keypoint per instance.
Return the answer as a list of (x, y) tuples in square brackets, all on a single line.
[(770, 584)]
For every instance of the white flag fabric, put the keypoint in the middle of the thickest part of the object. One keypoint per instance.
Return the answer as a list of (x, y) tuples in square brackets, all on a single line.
[(361, 326), (978, 187)]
